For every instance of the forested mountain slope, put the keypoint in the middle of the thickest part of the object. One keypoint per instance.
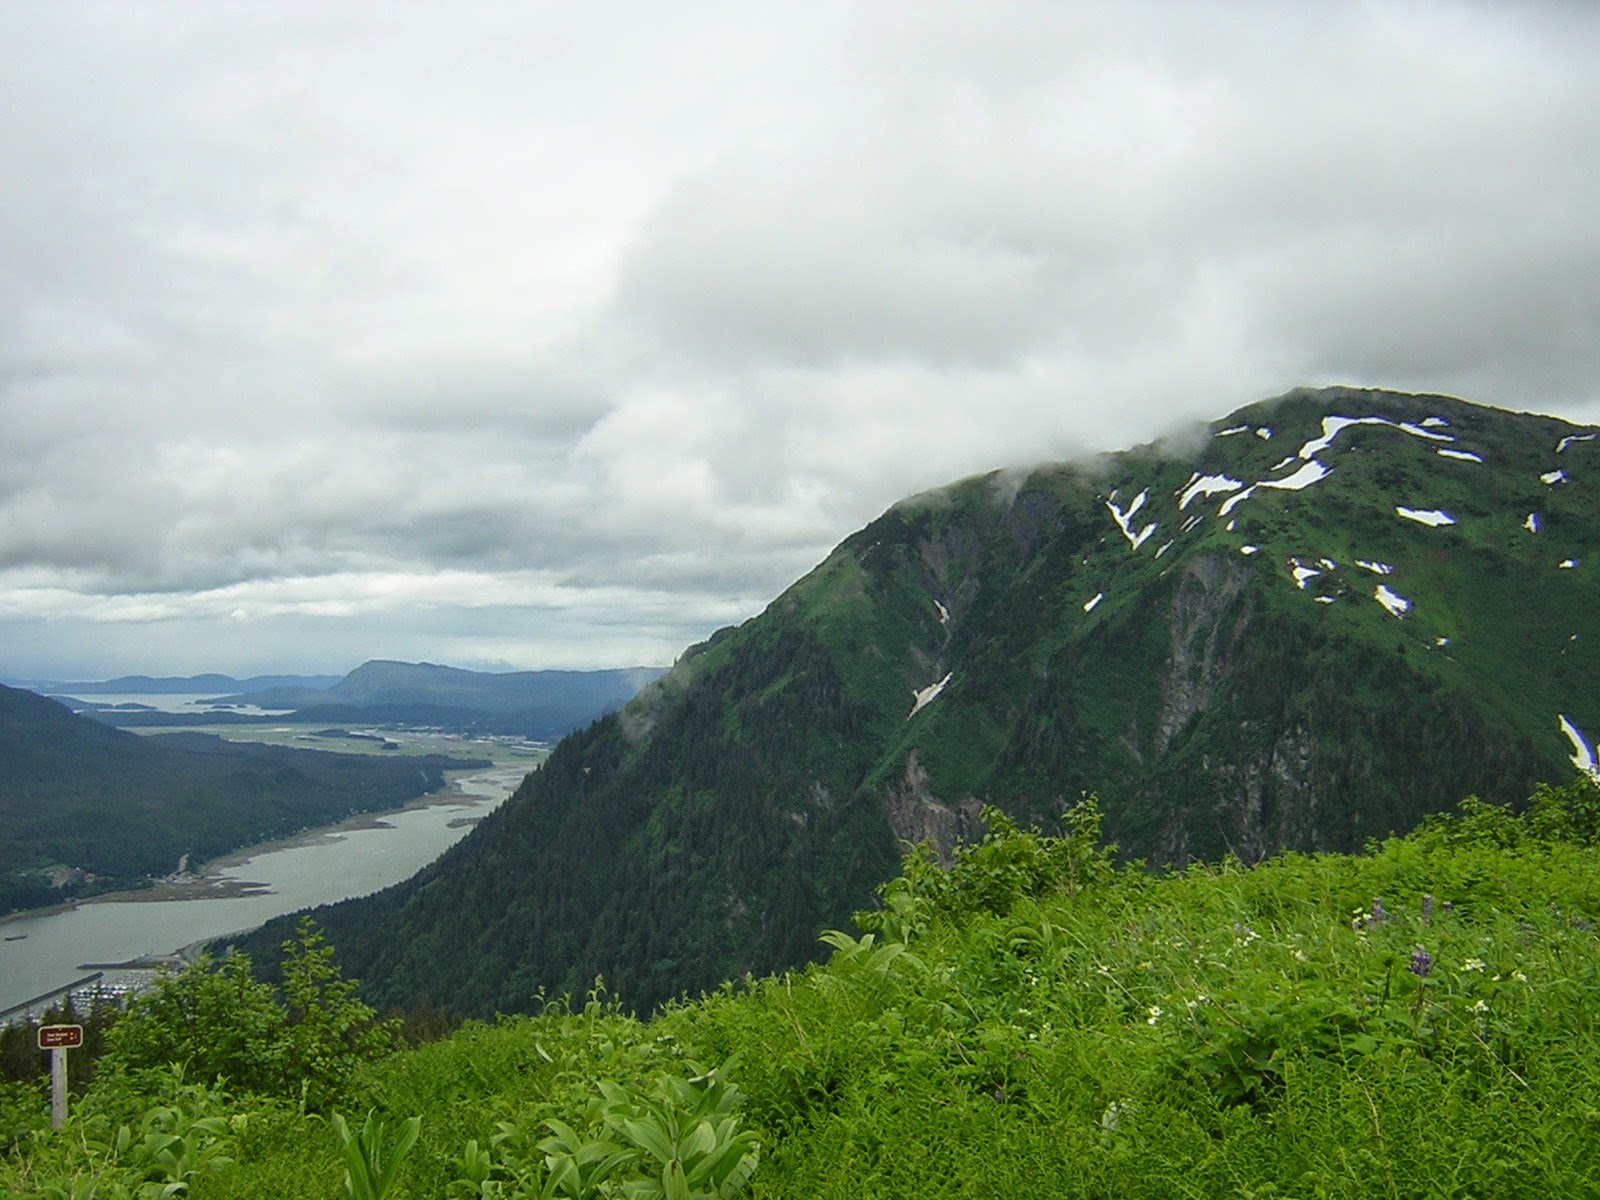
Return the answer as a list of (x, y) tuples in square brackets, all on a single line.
[(1313, 623)]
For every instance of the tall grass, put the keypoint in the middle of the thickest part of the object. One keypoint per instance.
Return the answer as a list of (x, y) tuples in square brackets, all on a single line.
[(1419, 1021)]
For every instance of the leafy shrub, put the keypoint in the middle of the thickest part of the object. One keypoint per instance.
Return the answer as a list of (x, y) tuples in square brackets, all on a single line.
[(213, 1019), (218, 1021), (1567, 814), (159, 1150), (675, 1138), (24, 1110), (328, 1030), (372, 1165), (991, 875)]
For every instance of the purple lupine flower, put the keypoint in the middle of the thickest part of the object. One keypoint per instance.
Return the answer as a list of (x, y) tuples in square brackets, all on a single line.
[(1377, 910), (1421, 963), (1427, 908)]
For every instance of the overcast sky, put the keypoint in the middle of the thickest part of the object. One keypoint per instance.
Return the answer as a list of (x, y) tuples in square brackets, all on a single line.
[(515, 335)]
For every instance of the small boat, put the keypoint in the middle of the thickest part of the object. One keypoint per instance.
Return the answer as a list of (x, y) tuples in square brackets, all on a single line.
[(15, 937)]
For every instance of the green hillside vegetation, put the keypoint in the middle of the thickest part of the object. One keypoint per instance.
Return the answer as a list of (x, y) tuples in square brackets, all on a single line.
[(1223, 673), (1417, 1020), (78, 797)]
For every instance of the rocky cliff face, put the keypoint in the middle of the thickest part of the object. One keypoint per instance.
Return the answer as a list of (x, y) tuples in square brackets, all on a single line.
[(1209, 617), (915, 814)]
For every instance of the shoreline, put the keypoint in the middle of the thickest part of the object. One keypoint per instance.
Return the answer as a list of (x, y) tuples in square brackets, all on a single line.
[(208, 882)]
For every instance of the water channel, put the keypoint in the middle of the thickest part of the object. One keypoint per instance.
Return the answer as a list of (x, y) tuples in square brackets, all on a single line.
[(50, 950)]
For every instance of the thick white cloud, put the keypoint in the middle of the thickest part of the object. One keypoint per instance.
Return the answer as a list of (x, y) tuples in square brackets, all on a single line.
[(559, 335)]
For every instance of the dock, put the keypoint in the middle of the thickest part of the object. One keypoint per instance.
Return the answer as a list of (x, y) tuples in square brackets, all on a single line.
[(26, 1009)]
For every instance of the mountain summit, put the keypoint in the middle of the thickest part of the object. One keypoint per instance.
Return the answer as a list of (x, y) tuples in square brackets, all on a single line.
[(1323, 618)]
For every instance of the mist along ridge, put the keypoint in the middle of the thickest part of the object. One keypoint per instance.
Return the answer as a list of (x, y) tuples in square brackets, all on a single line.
[(1311, 623), (88, 809)]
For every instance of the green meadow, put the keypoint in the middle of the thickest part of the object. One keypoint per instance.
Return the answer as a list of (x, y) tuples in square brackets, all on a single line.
[(1036, 1019)]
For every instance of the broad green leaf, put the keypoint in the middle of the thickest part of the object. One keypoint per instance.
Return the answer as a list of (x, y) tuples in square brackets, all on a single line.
[(649, 1137)]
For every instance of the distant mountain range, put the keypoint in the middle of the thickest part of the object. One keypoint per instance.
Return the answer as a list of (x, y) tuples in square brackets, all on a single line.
[(380, 684), (537, 704), (199, 685), (1308, 624), (85, 808)]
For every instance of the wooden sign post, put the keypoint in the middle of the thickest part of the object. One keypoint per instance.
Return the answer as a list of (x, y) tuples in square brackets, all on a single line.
[(58, 1039)]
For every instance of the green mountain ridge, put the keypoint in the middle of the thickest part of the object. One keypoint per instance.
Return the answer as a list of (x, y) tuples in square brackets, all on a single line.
[(1323, 618)]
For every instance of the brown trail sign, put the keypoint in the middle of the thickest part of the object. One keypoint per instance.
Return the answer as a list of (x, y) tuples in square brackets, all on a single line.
[(58, 1039)]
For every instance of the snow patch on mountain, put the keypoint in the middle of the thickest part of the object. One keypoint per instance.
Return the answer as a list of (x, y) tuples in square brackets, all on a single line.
[(1233, 502), (1377, 568), (1397, 605), (1310, 473), (1302, 573), (1582, 752), (1567, 564), (927, 696), (1531, 523), (1207, 485), (1463, 455), (1231, 432), (1577, 437), (1307, 474), (1434, 517), (1435, 423), (1333, 426), (1551, 478), (1265, 433), (1247, 551), (1124, 519), (1088, 605)]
